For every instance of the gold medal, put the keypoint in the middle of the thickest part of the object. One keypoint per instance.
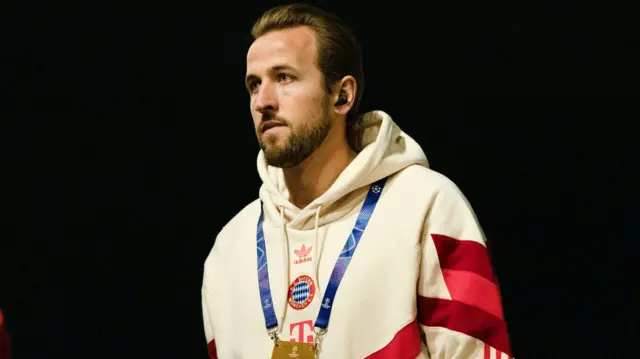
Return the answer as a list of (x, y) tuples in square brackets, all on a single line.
[(292, 350)]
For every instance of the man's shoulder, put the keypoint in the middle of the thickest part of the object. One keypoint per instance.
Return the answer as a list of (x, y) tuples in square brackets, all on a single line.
[(247, 215), (418, 176), (244, 219)]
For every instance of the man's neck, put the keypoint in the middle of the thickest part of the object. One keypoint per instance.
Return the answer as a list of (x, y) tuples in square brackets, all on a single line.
[(318, 172)]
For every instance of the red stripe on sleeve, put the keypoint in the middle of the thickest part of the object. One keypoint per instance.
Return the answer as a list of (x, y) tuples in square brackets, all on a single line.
[(404, 345), (463, 318), (468, 256), (471, 289), (211, 347), (487, 351)]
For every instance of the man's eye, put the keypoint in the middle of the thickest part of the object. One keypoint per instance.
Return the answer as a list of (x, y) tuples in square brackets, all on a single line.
[(284, 77), (253, 87)]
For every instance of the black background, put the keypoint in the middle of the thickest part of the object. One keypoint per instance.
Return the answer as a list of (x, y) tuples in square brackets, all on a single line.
[(127, 144)]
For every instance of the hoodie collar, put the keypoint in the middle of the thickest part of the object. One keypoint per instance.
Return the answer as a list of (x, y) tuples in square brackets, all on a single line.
[(383, 149)]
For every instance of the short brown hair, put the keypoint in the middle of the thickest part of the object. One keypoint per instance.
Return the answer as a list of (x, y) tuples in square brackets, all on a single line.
[(339, 52)]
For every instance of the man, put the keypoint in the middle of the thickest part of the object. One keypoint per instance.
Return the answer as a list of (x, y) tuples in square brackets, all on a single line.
[(355, 248), (5, 348)]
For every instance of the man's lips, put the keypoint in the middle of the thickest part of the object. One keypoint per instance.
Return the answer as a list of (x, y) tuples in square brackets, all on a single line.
[(271, 124)]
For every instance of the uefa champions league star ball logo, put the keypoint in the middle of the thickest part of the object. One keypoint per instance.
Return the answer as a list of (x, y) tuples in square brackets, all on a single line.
[(301, 292)]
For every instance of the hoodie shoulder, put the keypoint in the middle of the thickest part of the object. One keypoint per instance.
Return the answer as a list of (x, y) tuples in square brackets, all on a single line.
[(418, 176), (422, 184), (246, 218)]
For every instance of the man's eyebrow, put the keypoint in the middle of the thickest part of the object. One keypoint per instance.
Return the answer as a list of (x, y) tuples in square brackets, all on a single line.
[(274, 68), (280, 68)]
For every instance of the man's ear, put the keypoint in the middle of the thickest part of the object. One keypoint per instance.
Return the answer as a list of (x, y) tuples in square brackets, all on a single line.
[(344, 95)]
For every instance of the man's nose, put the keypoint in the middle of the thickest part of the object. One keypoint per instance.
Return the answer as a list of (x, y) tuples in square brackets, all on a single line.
[(266, 98)]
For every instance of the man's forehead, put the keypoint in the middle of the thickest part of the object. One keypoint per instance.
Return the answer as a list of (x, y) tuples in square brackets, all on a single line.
[(294, 47)]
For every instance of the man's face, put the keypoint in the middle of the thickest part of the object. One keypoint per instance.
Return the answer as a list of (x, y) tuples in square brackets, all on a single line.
[(289, 103)]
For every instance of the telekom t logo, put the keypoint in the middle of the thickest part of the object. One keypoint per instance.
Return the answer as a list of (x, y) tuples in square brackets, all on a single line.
[(301, 337)]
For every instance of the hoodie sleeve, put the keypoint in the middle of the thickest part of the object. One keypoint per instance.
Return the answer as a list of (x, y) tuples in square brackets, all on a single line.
[(459, 304), (208, 326)]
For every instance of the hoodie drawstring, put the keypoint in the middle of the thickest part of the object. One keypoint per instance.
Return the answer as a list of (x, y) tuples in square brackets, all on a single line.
[(285, 261), (285, 255), (317, 241)]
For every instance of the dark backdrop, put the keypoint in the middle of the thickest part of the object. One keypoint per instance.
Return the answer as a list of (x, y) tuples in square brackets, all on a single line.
[(127, 144)]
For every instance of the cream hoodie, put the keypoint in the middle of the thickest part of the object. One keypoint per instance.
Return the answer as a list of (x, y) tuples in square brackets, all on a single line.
[(419, 285)]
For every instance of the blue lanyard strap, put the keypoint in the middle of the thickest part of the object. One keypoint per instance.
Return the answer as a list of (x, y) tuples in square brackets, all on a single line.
[(370, 202), (347, 252), (263, 277)]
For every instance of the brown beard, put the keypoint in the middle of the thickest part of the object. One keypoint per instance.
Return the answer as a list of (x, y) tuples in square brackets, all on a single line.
[(302, 142)]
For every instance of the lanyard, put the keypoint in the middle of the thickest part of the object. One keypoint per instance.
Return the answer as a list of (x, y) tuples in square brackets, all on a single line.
[(339, 269)]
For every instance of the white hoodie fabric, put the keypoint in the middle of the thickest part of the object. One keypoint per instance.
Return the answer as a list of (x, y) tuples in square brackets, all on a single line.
[(419, 285)]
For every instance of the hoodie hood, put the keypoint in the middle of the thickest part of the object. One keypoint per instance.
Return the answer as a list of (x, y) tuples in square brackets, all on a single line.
[(383, 149)]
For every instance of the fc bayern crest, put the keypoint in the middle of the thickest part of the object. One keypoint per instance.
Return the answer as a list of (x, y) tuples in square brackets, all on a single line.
[(301, 292)]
